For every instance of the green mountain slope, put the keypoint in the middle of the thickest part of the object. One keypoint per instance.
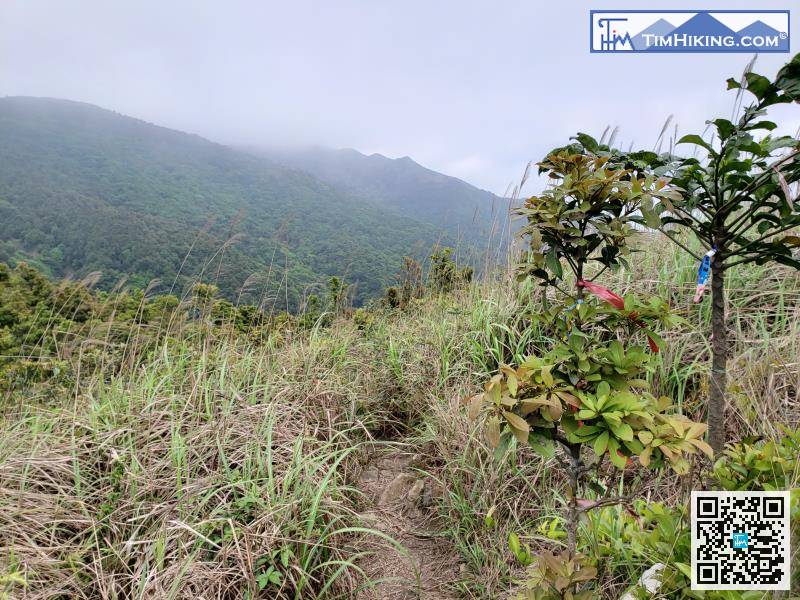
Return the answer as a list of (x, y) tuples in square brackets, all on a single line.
[(84, 189), (470, 214)]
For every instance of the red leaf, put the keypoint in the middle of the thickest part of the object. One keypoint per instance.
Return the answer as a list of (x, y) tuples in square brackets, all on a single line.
[(603, 293), (617, 302)]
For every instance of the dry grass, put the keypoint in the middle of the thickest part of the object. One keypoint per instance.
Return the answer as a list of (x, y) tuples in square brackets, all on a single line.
[(206, 461), (177, 481)]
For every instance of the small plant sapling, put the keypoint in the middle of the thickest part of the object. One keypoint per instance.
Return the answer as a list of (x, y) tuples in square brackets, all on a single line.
[(738, 201), (588, 393)]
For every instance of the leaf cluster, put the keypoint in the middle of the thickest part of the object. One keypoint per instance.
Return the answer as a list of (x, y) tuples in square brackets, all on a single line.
[(587, 215), (588, 392), (760, 465), (738, 194), (556, 576)]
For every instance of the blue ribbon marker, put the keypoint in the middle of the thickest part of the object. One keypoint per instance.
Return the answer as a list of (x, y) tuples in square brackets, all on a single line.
[(702, 274)]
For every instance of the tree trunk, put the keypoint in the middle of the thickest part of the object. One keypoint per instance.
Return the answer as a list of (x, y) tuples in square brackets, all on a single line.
[(719, 349)]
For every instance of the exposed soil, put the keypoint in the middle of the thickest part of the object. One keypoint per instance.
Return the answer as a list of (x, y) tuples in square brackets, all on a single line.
[(401, 504)]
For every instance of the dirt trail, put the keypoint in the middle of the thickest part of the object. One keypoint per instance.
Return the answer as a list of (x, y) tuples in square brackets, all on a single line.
[(401, 504)]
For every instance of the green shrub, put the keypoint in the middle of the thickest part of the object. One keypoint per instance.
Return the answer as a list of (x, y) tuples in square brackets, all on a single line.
[(587, 393), (445, 275), (760, 465)]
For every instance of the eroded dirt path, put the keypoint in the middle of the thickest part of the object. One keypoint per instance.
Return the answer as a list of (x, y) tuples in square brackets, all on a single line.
[(401, 504)]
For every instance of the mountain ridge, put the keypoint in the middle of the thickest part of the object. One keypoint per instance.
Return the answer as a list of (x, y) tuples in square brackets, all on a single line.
[(88, 189), (468, 212)]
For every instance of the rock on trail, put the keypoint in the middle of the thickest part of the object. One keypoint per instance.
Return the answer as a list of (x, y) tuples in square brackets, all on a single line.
[(401, 504)]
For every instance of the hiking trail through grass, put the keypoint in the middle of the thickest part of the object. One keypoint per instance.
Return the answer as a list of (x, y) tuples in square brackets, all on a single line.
[(401, 504)]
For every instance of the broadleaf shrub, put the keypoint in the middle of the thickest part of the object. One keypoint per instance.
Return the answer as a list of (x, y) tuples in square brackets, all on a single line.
[(587, 393)]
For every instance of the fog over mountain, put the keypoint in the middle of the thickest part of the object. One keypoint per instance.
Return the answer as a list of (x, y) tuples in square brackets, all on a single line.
[(465, 88), (468, 213)]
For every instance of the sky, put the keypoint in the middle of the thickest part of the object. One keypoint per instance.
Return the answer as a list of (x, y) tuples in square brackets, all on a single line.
[(474, 89)]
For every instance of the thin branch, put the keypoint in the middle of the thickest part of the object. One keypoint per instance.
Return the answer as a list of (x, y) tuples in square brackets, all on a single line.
[(600, 272), (744, 247), (572, 265), (734, 227), (689, 214), (606, 502), (741, 220), (743, 261), (766, 174), (680, 244), (563, 291)]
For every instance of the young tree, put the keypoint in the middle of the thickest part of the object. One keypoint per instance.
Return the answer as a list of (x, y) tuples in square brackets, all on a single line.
[(587, 393), (410, 279), (444, 275), (738, 202), (410, 285), (337, 295)]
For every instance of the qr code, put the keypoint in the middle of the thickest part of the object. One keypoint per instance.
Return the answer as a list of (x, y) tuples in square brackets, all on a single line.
[(740, 540)]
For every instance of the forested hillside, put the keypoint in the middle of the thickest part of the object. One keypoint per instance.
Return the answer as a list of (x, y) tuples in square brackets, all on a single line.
[(83, 189), (471, 214)]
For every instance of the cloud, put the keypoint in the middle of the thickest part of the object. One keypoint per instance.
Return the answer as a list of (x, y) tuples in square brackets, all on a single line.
[(474, 89)]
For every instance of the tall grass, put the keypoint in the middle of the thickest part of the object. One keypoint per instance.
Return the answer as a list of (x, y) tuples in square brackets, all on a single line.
[(182, 479), (207, 463)]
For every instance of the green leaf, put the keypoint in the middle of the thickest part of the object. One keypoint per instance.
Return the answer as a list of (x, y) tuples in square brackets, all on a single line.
[(617, 459), (513, 543), (768, 125), (269, 576), (587, 141), (758, 85), (547, 377), (733, 84), (788, 78), (569, 424), (724, 128), (519, 426), (601, 443), (542, 445), (286, 553), (511, 382), (623, 431), (683, 568), (629, 301), (784, 141), (262, 580), (554, 264), (695, 139), (488, 520)]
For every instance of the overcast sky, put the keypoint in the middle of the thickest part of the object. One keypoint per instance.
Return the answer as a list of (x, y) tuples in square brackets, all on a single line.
[(472, 89)]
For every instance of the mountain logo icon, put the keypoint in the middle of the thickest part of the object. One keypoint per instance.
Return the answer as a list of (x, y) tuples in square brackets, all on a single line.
[(689, 31)]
